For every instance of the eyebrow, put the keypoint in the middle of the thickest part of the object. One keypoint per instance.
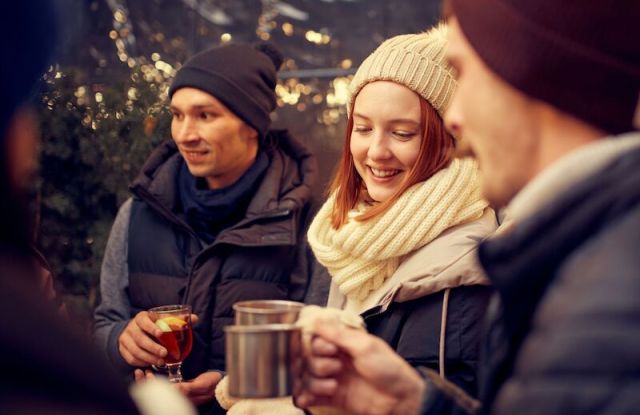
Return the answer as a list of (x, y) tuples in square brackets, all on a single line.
[(197, 107), (395, 120)]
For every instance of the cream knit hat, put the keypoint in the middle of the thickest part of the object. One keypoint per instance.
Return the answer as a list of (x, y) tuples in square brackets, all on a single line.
[(415, 61)]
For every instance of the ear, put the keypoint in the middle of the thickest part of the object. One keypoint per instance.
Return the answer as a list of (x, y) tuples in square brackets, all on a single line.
[(21, 142), (250, 133)]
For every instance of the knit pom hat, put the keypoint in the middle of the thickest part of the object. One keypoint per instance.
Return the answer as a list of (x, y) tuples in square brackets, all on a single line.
[(241, 75), (415, 61), (582, 57)]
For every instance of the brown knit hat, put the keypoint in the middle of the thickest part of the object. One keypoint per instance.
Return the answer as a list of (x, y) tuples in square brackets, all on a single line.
[(582, 57), (415, 61)]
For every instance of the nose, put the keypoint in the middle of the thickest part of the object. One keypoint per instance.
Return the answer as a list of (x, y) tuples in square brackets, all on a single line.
[(453, 117), (379, 147), (184, 130)]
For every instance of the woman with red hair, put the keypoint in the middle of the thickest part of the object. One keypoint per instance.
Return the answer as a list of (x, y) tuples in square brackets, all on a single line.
[(399, 230)]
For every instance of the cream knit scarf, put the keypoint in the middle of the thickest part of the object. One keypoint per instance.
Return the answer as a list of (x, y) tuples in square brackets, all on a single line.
[(360, 256)]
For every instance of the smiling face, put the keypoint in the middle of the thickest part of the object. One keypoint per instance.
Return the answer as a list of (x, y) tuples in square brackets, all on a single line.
[(386, 136), (215, 144)]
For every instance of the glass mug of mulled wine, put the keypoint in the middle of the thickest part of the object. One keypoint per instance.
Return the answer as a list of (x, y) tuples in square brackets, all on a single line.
[(177, 336)]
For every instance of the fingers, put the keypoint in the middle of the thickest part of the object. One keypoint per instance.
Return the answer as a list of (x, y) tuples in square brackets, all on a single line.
[(306, 400), (321, 387), (323, 367), (202, 388), (321, 347), (141, 351), (136, 345), (194, 319), (142, 375), (128, 357), (318, 387), (351, 341), (138, 375), (194, 387), (144, 322)]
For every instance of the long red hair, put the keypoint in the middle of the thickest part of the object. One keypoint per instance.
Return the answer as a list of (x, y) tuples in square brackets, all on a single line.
[(436, 151)]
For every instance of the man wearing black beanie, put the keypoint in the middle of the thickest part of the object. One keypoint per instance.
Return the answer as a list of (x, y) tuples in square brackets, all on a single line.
[(218, 215), (548, 98)]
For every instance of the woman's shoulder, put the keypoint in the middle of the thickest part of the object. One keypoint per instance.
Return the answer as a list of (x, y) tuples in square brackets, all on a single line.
[(448, 261), (451, 246)]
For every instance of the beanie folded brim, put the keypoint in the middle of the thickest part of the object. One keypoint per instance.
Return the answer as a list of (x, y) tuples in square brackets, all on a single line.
[(413, 60), (219, 87)]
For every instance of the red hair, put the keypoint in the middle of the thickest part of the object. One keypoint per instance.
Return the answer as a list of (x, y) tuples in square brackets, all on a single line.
[(436, 151)]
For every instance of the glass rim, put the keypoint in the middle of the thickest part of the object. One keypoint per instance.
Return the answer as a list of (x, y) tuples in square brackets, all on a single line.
[(172, 308), (267, 306), (262, 328)]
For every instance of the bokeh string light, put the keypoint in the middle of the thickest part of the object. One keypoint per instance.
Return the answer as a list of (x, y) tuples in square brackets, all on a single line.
[(322, 90)]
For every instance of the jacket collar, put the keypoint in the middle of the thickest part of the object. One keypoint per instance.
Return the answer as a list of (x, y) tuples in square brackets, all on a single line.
[(448, 261), (286, 185), (523, 262), (564, 173)]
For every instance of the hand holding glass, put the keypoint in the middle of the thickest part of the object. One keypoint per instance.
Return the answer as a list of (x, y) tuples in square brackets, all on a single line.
[(177, 337)]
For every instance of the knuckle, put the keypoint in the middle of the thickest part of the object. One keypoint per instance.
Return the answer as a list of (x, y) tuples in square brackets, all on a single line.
[(140, 317), (369, 346)]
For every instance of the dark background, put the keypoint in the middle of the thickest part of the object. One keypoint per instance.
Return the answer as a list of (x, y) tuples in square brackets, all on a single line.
[(103, 103)]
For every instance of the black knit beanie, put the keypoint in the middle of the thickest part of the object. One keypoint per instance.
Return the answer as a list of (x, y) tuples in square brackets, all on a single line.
[(241, 75), (581, 56)]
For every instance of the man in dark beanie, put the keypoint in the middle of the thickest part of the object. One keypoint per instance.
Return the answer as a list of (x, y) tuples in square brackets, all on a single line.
[(44, 364), (218, 215), (548, 98)]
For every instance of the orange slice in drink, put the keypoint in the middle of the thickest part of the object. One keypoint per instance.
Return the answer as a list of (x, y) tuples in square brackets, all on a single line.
[(167, 324)]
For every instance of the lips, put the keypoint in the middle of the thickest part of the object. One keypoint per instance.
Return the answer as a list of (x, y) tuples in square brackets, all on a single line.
[(193, 156), (383, 173)]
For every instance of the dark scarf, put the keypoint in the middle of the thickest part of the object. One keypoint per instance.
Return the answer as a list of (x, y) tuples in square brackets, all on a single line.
[(210, 211)]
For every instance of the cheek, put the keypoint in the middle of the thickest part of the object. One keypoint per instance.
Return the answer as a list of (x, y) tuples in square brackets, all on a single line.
[(408, 153), (174, 130), (358, 154), (359, 148)]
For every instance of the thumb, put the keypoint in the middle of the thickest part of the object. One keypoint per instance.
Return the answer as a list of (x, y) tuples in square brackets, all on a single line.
[(138, 375)]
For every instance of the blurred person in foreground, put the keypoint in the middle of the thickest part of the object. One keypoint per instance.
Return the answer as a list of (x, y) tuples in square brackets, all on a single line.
[(44, 364), (548, 98), (218, 215)]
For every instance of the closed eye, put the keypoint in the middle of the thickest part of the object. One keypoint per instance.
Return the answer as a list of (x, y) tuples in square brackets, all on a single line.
[(404, 134), (361, 129)]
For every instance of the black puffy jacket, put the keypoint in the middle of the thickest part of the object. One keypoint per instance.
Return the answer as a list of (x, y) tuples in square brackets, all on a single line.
[(407, 310), (412, 329), (263, 256)]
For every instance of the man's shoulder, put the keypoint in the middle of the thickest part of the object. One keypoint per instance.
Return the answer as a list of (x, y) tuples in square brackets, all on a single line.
[(615, 247)]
